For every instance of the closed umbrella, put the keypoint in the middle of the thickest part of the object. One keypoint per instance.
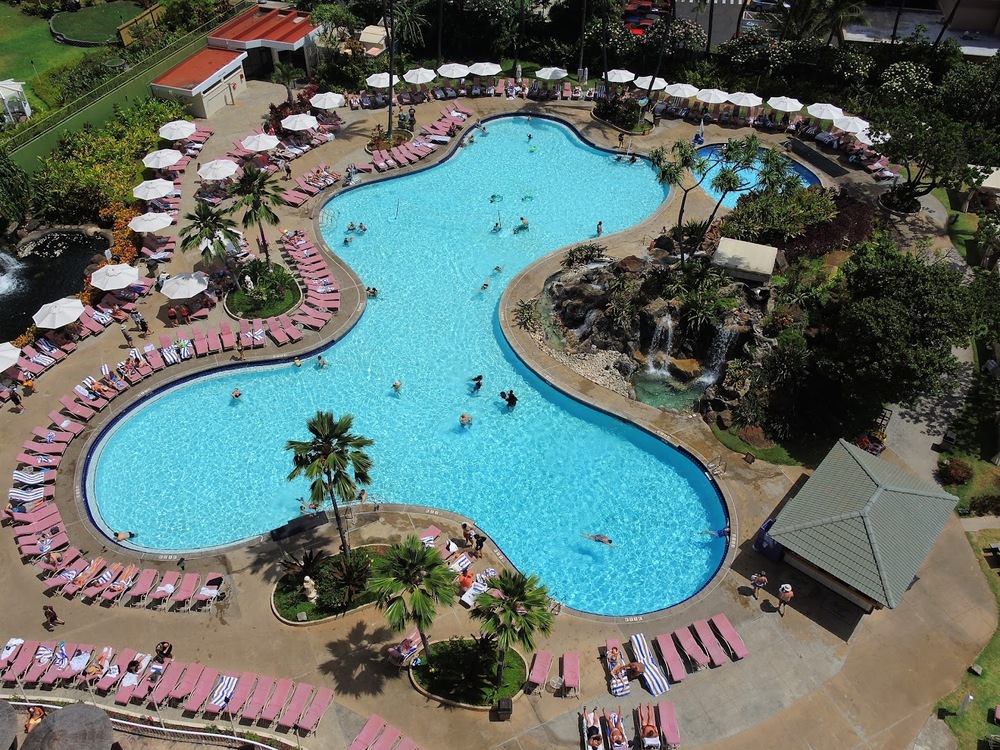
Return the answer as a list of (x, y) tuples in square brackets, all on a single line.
[(712, 96), (165, 157), (784, 104), (743, 99), (59, 313), (484, 69), (453, 70), (9, 355), (683, 90), (150, 221), (299, 122), (620, 76), (218, 169), (551, 74), (177, 130), (419, 75), (185, 285), (850, 123), (117, 276), (260, 141), (381, 80), (824, 111), (327, 100), (152, 189)]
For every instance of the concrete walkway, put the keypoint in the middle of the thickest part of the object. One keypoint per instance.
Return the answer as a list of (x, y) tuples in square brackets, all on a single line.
[(820, 677)]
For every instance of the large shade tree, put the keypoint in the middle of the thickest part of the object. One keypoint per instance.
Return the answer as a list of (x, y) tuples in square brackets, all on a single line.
[(257, 197), (411, 580), (334, 460)]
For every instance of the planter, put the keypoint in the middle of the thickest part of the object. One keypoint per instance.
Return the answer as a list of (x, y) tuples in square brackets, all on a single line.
[(395, 132), (457, 704), (896, 211), (308, 623), (634, 133)]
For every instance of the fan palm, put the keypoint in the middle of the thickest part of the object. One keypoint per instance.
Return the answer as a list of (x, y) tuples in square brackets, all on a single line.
[(334, 459), (212, 228), (411, 580), (727, 180), (513, 610), (287, 74), (259, 197)]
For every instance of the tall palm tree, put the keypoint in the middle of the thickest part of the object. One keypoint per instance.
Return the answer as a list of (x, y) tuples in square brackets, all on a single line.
[(514, 610), (287, 74), (686, 171), (409, 22), (521, 8), (257, 197), (440, 26), (389, 18), (410, 580), (727, 180), (211, 227), (334, 459), (583, 35), (711, 23)]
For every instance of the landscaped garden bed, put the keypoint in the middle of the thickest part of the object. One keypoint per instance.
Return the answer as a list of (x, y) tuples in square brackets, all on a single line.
[(289, 599), (463, 671), (272, 291)]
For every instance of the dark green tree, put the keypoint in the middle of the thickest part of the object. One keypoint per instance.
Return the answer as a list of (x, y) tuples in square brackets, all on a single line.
[(257, 196), (15, 191), (212, 228)]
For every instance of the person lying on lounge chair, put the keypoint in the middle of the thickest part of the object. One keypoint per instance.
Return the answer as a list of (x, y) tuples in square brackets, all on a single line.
[(593, 725), (616, 734), (632, 670), (647, 727)]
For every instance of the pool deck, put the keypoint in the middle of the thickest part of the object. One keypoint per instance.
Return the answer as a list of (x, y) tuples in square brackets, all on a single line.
[(820, 677)]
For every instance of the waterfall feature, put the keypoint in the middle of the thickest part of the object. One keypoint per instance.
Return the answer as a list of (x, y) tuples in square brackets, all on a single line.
[(724, 338), (10, 268), (664, 326)]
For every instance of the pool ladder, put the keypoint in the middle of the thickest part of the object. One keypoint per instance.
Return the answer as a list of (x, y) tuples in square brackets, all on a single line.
[(716, 467)]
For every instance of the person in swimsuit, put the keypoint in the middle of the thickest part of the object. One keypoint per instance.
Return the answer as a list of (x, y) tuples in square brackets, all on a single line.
[(593, 727), (647, 727), (599, 538)]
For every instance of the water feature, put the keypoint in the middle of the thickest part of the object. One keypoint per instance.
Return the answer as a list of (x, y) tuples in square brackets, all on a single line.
[(51, 267), (664, 326), (724, 338)]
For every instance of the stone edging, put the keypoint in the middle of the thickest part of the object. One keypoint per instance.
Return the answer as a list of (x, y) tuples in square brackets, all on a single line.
[(455, 704)]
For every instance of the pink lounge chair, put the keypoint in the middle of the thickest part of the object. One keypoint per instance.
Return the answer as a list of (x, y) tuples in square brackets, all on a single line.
[(47, 513), (209, 591), (28, 533), (202, 689), (257, 335), (667, 718), (187, 588), (200, 342), (173, 671), (59, 541), (277, 701), (294, 198), (167, 586), (111, 677), (40, 661), (119, 586), (312, 312), (244, 689), (368, 733), (296, 705), (274, 328), (64, 670), (214, 342), (143, 585), (221, 694), (691, 649), (710, 643), (320, 703), (187, 682), (104, 580), (153, 357), (668, 652), (86, 577), (261, 693), (77, 410), (64, 423), (729, 636), (228, 338), (571, 673), (389, 737), (307, 321), (66, 574), (39, 462), (25, 655), (69, 556), (289, 328), (539, 669)]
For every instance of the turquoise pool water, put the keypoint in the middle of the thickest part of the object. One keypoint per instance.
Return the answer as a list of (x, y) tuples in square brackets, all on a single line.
[(748, 176), (535, 479)]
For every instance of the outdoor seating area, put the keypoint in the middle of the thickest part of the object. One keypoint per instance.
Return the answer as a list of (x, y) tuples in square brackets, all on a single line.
[(378, 734)]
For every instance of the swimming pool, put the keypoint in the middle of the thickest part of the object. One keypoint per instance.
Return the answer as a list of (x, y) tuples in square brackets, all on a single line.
[(748, 176), (535, 479)]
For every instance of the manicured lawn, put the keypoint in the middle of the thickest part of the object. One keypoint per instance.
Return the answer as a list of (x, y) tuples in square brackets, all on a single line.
[(782, 455), (97, 23), (962, 230), (25, 38), (976, 724)]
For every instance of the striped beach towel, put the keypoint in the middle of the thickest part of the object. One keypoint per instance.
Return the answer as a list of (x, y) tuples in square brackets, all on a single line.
[(656, 683), (222, 693), (30, 477), (25, 496), (170, 355), (61, 658)]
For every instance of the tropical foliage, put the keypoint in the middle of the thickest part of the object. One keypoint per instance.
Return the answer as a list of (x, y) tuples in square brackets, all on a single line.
[(257, 196), (15, 192)]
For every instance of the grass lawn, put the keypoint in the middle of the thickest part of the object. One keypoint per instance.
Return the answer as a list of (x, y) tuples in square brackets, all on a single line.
[(962, 230), (784, 455), (985, 481), (96, 23), (463, 672), (25, 38), (975, 724)]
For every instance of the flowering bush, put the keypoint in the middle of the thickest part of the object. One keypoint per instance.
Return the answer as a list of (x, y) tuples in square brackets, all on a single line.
[(852, 65), (757, 50), (682, 34), (906, 80)]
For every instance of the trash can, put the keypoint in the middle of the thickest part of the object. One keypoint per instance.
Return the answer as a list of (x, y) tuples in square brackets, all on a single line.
[(505, 707)]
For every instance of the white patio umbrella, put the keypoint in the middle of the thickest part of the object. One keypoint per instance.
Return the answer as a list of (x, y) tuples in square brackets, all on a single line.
[(117, 276), (328, 100), (151, 189), (683, 90), (299, 122), (551, 74), (712, 96), (185, 285), (824, 111), (260, 142), (419, 75), (381, 80), (784, 104), (218, 169), (864, 137), (620, 76), (165, 157), (743, 99), (484, 69), (59, 313), (850, 123), (175, 130), (453, 70), (150, 221), (642, 83), (8, 355)]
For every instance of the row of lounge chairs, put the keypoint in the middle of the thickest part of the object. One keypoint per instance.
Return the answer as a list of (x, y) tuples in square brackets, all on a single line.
[(378, 734), (654, 729), (322, 290), (310, 184), (141, 679), (569, 671), (199, 343)]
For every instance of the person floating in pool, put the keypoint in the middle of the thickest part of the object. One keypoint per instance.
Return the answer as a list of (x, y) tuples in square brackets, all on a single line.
[(477, 383), (122, 536), (320, 362), (497, 227), (465, 419), (510, 398), (397, 386), (600, 538), (485, 286), (351, 227), (236, 393), (297, 362), (497, 269), (362, 228), (721, 533)]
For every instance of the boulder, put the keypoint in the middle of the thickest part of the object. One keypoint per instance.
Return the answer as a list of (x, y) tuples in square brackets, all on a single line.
[(724, 419), (685, 369), (631, 264)]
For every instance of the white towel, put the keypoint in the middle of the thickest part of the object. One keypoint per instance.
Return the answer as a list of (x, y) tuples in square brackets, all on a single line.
[(208, 591), (10, 647), (167, 588), (130, 679), (80, 660)]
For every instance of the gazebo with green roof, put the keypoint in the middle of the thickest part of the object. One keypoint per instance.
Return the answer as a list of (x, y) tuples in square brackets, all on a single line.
[(862, 526)]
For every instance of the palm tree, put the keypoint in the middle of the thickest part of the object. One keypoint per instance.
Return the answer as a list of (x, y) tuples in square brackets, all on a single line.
[(410, 580), (259, 197), (520, 7), (440, 26), (513, 610), (336, 462), (711, 23), (211, 227), (287, 74), (409, 21), (583, 35), (389, 18), (841, 13), (726, 181)]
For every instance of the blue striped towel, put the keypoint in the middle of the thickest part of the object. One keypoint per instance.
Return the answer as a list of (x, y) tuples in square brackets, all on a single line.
[(29, 477), (656, 683), (61, 657), (223, 691)]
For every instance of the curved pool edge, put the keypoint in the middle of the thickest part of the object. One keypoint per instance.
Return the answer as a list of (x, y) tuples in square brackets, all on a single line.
[(527, 285)]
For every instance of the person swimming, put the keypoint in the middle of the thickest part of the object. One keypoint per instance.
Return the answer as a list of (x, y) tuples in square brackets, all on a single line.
[(236, 393), (497, 227), (397, 386), (509, 398), (371, 291), (599, 538), (465, 419), (477, 383), (497, 269), (485, 286)]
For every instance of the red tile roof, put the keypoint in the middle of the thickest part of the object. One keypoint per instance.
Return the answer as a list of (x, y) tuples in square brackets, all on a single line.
[(197, 69), (279, 26)]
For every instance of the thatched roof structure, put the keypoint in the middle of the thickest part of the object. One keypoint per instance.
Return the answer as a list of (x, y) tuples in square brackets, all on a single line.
[(76, 727)]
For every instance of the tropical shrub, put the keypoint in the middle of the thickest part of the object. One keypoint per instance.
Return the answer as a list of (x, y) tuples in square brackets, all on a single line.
[(955, 472), (987, 505), (272, 290), (854, 222), (581, 255), (623, 113)]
